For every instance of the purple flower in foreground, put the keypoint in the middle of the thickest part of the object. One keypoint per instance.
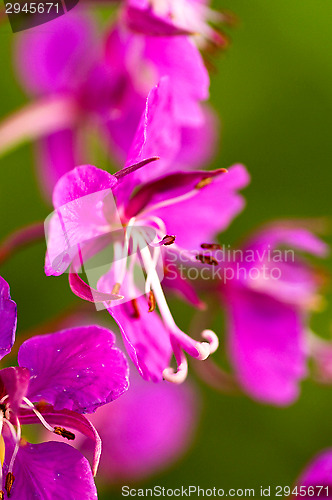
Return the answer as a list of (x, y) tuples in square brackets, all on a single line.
[(268, 299), (146, 430), (316, 480), (182, 209), (60, 376), (8, 319)]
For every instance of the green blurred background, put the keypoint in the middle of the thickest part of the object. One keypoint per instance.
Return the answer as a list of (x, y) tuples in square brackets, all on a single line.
[(273, 92)]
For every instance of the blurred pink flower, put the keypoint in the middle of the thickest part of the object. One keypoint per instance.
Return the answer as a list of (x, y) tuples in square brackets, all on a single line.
[(316, 480), (146, 430), (268, 315)]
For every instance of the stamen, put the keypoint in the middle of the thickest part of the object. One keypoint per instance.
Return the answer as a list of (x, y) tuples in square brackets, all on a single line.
[(116, 288), (38, 414), (168, 240), (151, 301), (199, 350), (204, 182), (9, 482), (60, 431), (207, 259), (2, 495), (17, 438), (211, 246), (136, 313), (156, 286), (3, 408)]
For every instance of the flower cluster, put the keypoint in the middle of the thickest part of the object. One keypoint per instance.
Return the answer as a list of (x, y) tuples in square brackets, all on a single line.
[(130, 239)]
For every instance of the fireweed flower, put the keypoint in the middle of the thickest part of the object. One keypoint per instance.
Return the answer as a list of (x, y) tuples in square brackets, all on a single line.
[(60, 376), (268, 312), (80, 86), (181, 210)]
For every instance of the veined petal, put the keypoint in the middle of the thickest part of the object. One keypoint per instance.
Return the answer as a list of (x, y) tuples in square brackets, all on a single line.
[(168, 188), (78, 369), (50, 471), (8, 319)]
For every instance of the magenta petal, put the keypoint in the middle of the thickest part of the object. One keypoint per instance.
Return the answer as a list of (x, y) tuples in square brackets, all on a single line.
[(56, 59), (8, 319), (157, 133), (79, 217), (146, 338), (200, 218), (318, 473), (291, 234), (168, 187), (56, 155), (140, 18), (69, 420), (298, 283), (78, 369), (85, 292), (266, 345), (80, 182), (50, 471), (178, 58), (198, 143), (14, 382)]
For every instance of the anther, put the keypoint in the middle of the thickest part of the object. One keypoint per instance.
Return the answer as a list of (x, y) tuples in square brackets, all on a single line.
[(41, 405), (207, 259), (168, 240), (116, 289), (136, 313), (204, 182), (60, 431), (151, 301), (211, 246), (2, 495), (9, 482)]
